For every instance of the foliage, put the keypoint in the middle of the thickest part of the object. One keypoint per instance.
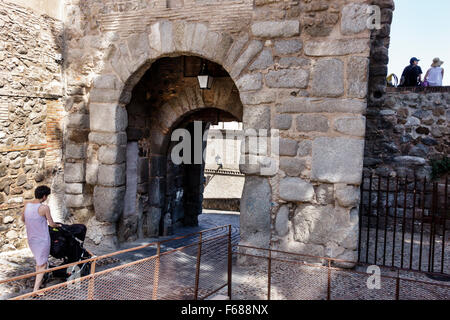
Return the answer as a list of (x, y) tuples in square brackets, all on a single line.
[(440, 167)]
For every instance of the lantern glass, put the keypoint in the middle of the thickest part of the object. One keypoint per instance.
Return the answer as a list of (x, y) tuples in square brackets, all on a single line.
[(205, 81)]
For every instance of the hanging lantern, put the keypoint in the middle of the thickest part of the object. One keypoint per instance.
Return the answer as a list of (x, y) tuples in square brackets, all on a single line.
[(204, 79)]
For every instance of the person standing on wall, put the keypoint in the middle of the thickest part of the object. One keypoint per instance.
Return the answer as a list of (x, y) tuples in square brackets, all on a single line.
[(435, 74), (412, 74), (37, 218)]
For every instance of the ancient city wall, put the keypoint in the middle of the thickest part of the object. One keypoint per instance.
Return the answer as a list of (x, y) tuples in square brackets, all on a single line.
[(409, 130), (31, 110), (301, 67), (292, 62)]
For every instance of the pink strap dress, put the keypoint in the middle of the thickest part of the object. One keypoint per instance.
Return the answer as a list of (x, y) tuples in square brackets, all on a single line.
[(37, 233)]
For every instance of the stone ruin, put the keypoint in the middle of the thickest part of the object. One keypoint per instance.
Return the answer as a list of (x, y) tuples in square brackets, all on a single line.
[(89, 100)]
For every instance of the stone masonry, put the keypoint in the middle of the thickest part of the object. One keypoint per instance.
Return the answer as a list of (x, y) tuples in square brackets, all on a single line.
[(298, 66)]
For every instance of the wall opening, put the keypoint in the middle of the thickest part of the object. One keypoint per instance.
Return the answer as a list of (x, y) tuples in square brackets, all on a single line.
[(163, 194)]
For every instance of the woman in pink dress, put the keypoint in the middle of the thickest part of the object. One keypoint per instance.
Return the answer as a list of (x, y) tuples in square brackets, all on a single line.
[(37, 218)]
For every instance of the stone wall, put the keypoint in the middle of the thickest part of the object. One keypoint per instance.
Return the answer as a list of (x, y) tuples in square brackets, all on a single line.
[(407, 131), (300, 67), (31, 109)]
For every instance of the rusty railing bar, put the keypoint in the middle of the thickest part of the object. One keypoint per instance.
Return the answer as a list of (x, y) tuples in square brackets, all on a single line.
[(444, 223), (404, 222), (377, 220), (95, 258), (386, 221), (422, 222), (353, 271), (361, 192), (411, 253), (433, 208), (91, 286), (212, 292), (368, 217), (197, 268), (230, 264), (329, 281), (156, 273), (269, 274), (395, 222)]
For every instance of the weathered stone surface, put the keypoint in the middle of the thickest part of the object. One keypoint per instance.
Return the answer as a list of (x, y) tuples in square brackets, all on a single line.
[(74, 172), (252, 50), (250, 82), (77, 200), (307, 123), (287, 62), (282, 221), (282, 121), (249, 98), (108, 203), (75, 151), (336, 47), (103, 138), (328, 78), (296, 190), (304, 148), (111, 175), (288, 147), (287, 46), (354, 18), (74, 188), (112, 154), (102, 233), (355, 126), (263, 61), (297, 78), (153, 219), (292, 166), (255, 209), (347, 196), (325, 194), (257, 117), (337, 160), (357, 77), (77, 120), (274, 29), (108, 118)]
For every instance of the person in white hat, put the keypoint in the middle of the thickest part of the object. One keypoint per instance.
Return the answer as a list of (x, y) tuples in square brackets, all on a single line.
[(435, 74)]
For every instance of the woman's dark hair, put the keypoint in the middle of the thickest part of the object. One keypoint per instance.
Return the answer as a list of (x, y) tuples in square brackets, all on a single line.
[(41, 191)]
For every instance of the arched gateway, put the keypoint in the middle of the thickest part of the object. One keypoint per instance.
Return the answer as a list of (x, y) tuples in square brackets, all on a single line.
[(292, 86)]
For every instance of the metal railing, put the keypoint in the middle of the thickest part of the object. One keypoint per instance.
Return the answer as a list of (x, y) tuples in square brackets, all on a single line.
[(193, 271), (404, 223), (291, 276)]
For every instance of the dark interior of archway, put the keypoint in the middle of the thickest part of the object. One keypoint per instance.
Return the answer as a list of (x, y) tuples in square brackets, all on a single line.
[(185, 181), (165, 194)]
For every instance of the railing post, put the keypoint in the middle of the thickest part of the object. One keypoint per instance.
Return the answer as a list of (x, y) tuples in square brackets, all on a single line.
[(329, 281), (230, 265), (92, 281), (269, 274), (156, 273), (197, 271), (397, 286)]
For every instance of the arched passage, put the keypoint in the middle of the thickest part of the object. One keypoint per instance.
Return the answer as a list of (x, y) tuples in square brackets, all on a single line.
[(161, 194)]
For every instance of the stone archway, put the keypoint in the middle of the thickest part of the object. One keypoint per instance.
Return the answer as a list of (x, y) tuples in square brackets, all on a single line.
[(167, 99), (103, 171)]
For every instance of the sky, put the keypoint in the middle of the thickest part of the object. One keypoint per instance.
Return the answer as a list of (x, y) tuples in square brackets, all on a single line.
[(420, 29)]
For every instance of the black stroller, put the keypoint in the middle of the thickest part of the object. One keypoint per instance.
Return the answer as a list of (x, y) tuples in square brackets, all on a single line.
[(67, 244)]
